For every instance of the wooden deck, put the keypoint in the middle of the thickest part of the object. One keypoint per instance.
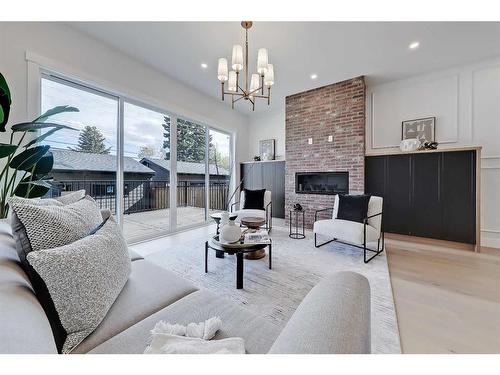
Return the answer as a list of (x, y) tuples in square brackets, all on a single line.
[(143, 225)]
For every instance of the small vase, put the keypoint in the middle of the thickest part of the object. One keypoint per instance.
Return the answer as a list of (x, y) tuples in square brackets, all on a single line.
[(230, 232), (224, 218)]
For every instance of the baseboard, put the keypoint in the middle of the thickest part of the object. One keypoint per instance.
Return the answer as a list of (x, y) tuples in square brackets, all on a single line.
[(431, 242), (490, 239)]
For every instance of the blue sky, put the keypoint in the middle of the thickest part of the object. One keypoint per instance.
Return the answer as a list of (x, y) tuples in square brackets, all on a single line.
[(142, 126)]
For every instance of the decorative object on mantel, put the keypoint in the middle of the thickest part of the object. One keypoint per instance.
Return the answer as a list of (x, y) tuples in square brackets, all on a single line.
[(422, 129), (255, 87), (266, 149), (408, 145), (256, 158), (430, 146)]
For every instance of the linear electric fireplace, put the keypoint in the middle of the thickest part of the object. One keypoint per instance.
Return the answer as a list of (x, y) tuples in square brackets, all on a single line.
[(322, 182)]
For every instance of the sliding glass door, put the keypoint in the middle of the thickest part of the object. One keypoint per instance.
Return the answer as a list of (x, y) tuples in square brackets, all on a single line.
[(146, 172), (191, 173), (219, 170), (84, 158), (175, 171)]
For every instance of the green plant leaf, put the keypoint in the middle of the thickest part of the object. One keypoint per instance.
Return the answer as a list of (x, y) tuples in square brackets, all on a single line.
[(7, 149), (34, 126), (28, 158), (42, 137), (37, 190), (44, 165), (4, 88), (55, 111), (5, 102)]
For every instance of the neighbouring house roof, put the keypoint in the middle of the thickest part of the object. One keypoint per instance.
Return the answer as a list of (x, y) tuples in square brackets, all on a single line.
[(185, 167), (67, 160)]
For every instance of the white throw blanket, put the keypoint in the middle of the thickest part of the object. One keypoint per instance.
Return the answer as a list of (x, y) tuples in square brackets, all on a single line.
[(192, 339)]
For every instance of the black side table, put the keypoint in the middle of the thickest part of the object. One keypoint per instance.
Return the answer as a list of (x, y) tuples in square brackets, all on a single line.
[(294, 229)]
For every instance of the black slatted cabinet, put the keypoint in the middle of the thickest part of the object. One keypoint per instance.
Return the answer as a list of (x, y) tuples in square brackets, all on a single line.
[(427, 194)]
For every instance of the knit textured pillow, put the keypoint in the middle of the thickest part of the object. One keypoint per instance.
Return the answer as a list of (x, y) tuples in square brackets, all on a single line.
[(53, 225), (47, 223), (83, 279), (23, 245)]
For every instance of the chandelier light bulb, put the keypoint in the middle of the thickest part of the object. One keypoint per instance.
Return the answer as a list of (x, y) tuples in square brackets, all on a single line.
[(262, 61), (269, 76), (237, 60), (231, 85), (222, 74), (254, 83)]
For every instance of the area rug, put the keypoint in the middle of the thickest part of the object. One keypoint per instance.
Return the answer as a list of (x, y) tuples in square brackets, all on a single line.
[(275, 294)]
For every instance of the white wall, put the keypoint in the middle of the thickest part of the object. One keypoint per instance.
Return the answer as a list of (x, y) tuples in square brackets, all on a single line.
[(60, 47), (267, 125), (466, 103)]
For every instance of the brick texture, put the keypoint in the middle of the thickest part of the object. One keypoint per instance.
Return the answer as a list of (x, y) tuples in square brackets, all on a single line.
[(337, 110)]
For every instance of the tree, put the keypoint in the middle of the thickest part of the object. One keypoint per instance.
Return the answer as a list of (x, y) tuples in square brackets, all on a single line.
[(191, 144), (91, 141), (190, 140), (216, 158), (146, 152)]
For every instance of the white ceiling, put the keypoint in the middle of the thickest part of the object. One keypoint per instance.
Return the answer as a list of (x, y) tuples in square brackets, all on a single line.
[(335, 51)]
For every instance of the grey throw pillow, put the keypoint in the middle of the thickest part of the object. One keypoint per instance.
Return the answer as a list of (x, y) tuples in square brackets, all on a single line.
[(83, 279), (52, 225), (23, 245), (48, 223), (71, 197)]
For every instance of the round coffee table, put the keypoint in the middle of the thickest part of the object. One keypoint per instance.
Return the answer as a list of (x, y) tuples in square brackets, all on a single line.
[(239, 249), (253, 224)]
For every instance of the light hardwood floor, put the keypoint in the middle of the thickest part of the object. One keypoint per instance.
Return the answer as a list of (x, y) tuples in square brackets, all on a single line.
[(447, 301)]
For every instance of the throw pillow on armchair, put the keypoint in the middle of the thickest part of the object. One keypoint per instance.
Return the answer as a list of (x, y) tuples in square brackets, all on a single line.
[(353, 207), (254, 199)]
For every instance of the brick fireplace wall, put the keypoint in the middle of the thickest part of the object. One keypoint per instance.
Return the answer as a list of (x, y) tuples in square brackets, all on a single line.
[(337, 110)]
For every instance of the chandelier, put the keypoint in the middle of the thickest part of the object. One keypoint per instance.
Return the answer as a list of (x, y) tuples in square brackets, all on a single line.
[(253, 89)]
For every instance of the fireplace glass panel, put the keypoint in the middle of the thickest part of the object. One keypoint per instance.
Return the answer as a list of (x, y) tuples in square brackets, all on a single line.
[(322, 183)]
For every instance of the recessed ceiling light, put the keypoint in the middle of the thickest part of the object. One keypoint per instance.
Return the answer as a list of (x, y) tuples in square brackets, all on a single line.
[(314, 76), (204, 66), (414, 45)]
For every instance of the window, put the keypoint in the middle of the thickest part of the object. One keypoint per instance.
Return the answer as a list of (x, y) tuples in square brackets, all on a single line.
[(84, 158), (191, 172), (87, 158), (147, 190), (95, 124)]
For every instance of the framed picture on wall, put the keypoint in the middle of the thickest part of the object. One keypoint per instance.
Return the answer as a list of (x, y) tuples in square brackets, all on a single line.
[(423, 129), (266, 149)]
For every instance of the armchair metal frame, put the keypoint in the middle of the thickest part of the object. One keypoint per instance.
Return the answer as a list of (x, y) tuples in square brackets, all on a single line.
[(269, 214), (365, 249)]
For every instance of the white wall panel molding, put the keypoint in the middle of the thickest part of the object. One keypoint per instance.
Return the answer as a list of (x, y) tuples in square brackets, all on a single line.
[(485, 111), (390, 104)]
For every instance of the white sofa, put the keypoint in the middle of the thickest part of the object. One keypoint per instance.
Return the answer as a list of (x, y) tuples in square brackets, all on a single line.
[(265, 213), (362, 235), (333, 318)]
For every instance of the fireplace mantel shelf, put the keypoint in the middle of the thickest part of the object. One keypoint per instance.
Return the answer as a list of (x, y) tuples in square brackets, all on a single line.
[(399, 152), (261, 161)]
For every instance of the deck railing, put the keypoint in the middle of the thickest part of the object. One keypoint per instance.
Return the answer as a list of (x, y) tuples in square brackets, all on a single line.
[(146, 195)]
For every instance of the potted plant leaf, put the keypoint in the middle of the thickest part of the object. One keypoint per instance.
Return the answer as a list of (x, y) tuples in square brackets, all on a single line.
[(26, 168)]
